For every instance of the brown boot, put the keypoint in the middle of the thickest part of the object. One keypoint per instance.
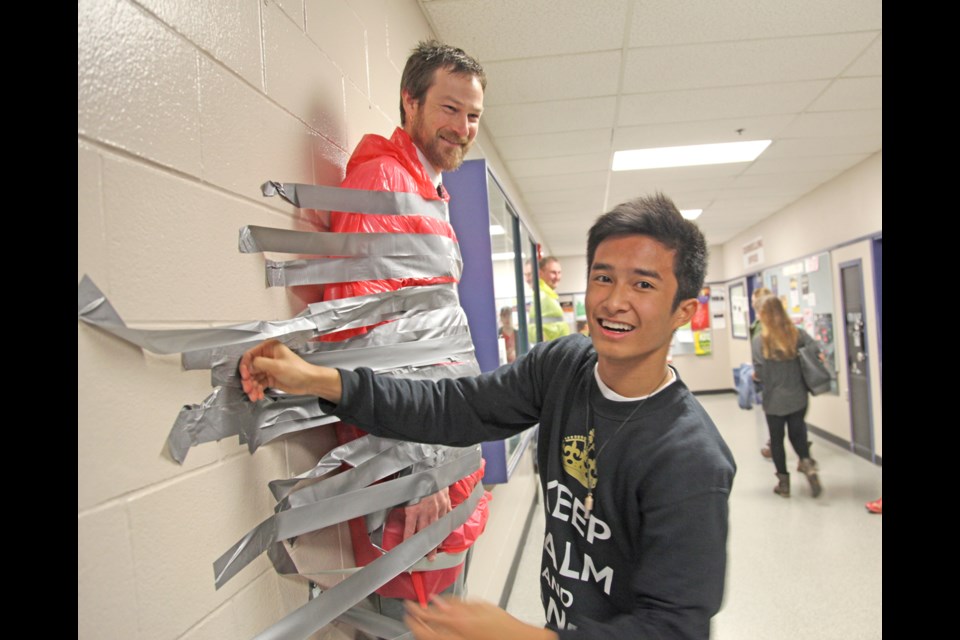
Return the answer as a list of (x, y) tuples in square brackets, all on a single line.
[(808, 466), (783, 487)]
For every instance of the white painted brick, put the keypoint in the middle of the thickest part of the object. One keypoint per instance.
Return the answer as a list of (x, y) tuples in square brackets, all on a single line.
[(91, 243), (384, 75), (304, 449), (338, 32), (300, 77), (293, 8), (173, 250), (364, 118), (247, 140), (106, 598), (222, 623), (180, 528), (229, 30), (137, 91), (406, 26), (127, 402), (329, 162)]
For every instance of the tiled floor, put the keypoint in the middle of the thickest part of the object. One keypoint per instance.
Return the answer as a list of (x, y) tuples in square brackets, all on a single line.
[(797, 567)]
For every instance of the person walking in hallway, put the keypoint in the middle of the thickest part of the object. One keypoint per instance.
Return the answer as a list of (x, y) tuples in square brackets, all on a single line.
[(776, 364)]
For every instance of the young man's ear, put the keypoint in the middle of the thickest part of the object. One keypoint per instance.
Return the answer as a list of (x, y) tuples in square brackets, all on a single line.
[(684, 312), (409, 103)]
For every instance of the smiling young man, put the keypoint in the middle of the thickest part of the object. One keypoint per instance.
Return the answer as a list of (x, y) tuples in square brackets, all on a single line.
[(635, 476)]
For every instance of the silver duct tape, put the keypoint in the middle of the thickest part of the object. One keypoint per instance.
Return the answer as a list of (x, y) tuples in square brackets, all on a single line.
[(417, 325), (255, 239), (364, 474), (334, 315), (295, 522), (375, 624), (441, 561), (354, 453), (99, 313), (218, 417), (406, 354), (312, 196), (261, 437), (552, 319), (292, 273), (331, 604), (228, 413)]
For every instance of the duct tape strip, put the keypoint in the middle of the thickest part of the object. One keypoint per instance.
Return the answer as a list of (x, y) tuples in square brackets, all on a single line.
[(219, 416), (292, 273), (375, 625), (416, 325), (228, 413), (331, 604), (334, 315), (254, 239), (312, 196), (354, 453), (366, 473), (340, 508), (441, 561)]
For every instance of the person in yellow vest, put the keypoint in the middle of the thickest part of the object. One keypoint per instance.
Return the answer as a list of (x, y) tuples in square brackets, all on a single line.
[(554, 324)]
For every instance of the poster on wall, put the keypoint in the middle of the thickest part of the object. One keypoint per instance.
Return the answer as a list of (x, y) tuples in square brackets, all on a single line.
[(718, 307), (739, 311), (700, 324)]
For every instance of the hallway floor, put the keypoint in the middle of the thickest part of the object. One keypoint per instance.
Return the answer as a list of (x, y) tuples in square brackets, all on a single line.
[(798, 567)]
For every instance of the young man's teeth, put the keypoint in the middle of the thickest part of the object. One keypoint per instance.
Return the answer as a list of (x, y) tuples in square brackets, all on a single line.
[(616, 326)]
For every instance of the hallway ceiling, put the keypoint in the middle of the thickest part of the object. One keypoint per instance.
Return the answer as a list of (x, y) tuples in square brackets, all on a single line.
[(572, 81)]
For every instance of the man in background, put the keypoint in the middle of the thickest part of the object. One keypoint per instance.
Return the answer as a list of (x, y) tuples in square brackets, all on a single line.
[(551, 313)]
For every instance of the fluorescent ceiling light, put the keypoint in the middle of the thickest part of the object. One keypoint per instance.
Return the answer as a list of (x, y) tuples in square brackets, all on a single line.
[(508, 255), (496, 230), (688, 156), (691, 214)]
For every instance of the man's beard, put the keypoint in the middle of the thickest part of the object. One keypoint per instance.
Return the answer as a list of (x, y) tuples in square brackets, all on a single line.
[(442, 156)]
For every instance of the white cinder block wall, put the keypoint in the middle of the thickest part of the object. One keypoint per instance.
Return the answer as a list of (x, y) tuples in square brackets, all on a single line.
[(183, 110)]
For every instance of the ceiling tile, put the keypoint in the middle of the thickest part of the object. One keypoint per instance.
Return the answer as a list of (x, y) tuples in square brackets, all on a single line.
[(545, 145), (741, 63), (558, 182), (846, 94), (870, 62), (702, 132), (826, 146), (727, 102), (656, 22), (560, 165), (812, 163), (838, 123), (549, 117), (506, 29), (584, 75)]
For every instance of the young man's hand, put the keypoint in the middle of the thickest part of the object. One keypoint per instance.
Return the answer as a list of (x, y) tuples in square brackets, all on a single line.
[(272, 364), (452, 619)]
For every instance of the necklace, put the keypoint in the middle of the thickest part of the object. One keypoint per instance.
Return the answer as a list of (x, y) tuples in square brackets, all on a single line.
[(593, 472)]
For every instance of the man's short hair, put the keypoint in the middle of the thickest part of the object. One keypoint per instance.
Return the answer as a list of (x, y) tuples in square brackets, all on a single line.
[(544, 261), (658, 218), (427, 57)]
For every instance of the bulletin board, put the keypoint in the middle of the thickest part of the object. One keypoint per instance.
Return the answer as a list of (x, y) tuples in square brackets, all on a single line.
[(805, 287)]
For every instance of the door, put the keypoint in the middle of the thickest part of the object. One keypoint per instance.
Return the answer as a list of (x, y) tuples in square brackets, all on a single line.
[(858, 373)]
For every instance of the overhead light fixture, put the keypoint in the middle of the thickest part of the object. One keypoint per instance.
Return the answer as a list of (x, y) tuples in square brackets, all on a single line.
[(691, 214), (688, 156), (506, 255), (496, 230)]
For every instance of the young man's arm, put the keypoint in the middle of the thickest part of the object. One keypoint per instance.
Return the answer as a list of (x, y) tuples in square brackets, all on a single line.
[(272, 364), (461, 620)]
